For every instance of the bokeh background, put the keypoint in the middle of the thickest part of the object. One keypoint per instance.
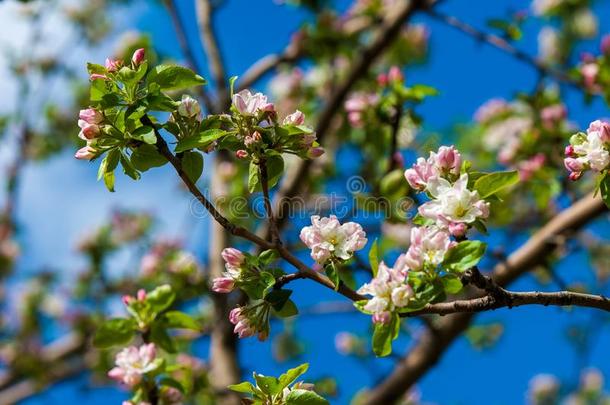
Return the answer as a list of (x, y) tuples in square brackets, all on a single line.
[(59, 199)]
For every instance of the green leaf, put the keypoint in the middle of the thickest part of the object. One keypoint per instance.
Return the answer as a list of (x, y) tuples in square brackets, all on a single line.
[(192, 164), (145, 134), (180, 320), (109, 163), (465, 255), (159, 335), (161, 298), (291, 375), (268, 256), (304, 397), (267, 384), (275, 168), (146, 157), (333, 274), (109, 181), (128, 168), (493, 182), (288, 309), (243, 387), (253, 177), (451, 283), (384, 334), (173, 77), (373, 258), (114, 332), (604, 189), (278, 298), (200, 140)]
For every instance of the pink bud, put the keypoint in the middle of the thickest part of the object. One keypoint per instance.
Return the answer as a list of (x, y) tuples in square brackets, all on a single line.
[(381, 317), (382, 79), (96, 76), (605, 45), (458, 229), (138, 56), (573, 164), (315, 152), (223, 285), (91, 116), (296, 118), (141, 295), (569, 151), (112, 65), (127, 299), (399, 159), (602, 127), (85, 153), (448, 159), (395, 74), (233, 257), (241, 154), (88, 131), (235, 315), (575, 176)]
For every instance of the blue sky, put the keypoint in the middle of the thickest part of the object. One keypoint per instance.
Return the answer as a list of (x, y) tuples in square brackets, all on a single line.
[(466, 73)]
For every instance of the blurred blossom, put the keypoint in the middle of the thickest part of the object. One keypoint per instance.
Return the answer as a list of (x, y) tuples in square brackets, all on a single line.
[(542, 7), (505, 137), (491, 109), (543, 390), (584, 23), (592, 381), (549, 45), (399, 233)]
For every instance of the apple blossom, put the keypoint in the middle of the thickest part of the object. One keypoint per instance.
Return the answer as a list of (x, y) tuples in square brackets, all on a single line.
[(589, 151), (389, 289), (91, 116), (589, 72), (243, 326), (249, 104), (447, 160), (491, 109), (112, 65), (234, 259), (296, 118), (328, 238), (549, 45), (88, 131), (189, 107), (420, 173), (132, 363), (528, 167), (138, 56), (85, 153), (428, 247), (453, 202), (357, 104), (395, 74)]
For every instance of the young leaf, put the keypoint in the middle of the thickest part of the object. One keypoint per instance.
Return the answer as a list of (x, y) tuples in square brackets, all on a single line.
[(493, 182), (373, 259), (172, 77), (146, 157), (114, 332), (192, 164), (267, 384), (604, 189), (452, 284), (278, 298), (288, 309), (180, 320), (253, 177), (464, 256), (159, 335), (145, 134), (200, 140), (161, 298), (333, 274), (304, 397), (291, 375), (243, 387)]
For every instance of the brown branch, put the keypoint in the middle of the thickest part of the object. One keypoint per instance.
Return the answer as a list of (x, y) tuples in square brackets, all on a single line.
[(183, 42), (431, 345), (212, 50), (503, 45)]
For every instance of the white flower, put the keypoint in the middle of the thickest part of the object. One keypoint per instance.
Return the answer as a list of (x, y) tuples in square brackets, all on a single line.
[(593, 151), (251, 104), (428, 246), (132, 363), (453, 202), (548, 44), (328, 238)]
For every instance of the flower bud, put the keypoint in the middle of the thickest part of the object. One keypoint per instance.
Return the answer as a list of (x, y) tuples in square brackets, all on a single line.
[(91, 116), (315, 152), (85, 153), (457, 229), (448, 159), (127, 299), (575, 176), (382, 79), (241, 154), (381, 317), (189, 107), (574, 164), (252, 139), (569, 151), (223, 285), (296, 118), (88, 131), (97, 76), (233, 257), (138, 56), (395, 75), (141, 295)]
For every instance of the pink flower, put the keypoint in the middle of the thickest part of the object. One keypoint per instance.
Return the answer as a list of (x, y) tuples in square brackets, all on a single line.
[(249, 104), (569, 151), (575, 164), (296, 118), (327, 238), (141, 295), (589, 72), (357, 104), (241, 154), (113, 65), (490, 110), (233, 257), (428, 246), (447, 159), (457, 229), (85, 153), (138, 56), (91, 116), (602, 128), (223, 285), (132, 363), (528, 167), (419, 175), (553, 114), (382, 79)]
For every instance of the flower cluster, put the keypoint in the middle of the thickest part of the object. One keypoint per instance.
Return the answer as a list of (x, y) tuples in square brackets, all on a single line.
[(89, 123), (428, 247), (589, 151), (133, 363), (357, 105), (389, 289), (250, 320), (234, 259), (446, 162), (328, 239), (168, 255)]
